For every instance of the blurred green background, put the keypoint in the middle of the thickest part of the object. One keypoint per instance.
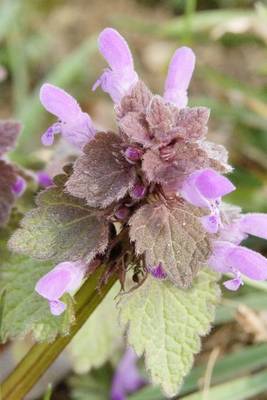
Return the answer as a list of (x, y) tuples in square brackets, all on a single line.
[(55, 41)]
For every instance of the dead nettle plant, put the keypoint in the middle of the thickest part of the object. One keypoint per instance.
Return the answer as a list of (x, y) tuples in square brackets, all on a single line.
[(145, 201)]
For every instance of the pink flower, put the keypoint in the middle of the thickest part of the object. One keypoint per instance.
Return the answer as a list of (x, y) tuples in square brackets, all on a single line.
[(127, 378), (19, 187), (157, 271), (66, 277), (74, 125), (229, 256), (179, 75), (44, 179), (121, 76), (204, 188)]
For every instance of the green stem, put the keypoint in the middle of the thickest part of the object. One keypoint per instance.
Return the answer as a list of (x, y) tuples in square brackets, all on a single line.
[(42, 355)]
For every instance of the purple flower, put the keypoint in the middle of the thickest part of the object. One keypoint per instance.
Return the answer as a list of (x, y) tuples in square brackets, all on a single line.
[(64, 278), (122, 213), (179, 75), (127, 379), (133, 154), (44, 179), (74, 125), (121, 76), (157, 272), (204, 188), (254, 224), (228, 257), (138, 191), (19, 186)]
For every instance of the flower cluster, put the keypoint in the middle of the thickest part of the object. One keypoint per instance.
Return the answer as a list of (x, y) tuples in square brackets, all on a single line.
[(157, 177)]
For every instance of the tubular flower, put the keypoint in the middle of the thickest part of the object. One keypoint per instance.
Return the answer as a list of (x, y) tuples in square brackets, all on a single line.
[(121, 76), (66, 277), (127, 378), (74, 125), (158, 174)]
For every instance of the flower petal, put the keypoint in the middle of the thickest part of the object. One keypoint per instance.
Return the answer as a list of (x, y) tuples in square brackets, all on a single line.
[(127, 378), (57, 307), (114, 49), (233, 284), (44, 179), (157, 272), (212, 185), (211, 223), (254, 224), (65, 277), (217, 261), (248, 262), (80, 131), (179, 75), (19, 186), (190, 192), (59, 103)]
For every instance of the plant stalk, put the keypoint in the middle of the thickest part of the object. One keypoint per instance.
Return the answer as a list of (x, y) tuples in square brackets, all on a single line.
[(42, 355)]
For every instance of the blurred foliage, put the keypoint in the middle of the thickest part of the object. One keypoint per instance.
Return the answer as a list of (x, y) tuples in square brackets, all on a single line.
[(55, 41)]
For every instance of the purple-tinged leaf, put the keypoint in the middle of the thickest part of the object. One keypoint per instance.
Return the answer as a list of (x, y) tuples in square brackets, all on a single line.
[(173, 236), (133, 126), (136, 101), (102, 174), (191, 123), (9, 132), (218, 156), (173, 162), (160, 119), (7, 197)]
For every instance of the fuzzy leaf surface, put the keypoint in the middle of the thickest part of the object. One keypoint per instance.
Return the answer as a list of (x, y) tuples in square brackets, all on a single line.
[(99, 338), (23, 310), (101, 175), (7, 198), (173, 236), (9, 131), (136, 101), (165, 324), (61, 228)]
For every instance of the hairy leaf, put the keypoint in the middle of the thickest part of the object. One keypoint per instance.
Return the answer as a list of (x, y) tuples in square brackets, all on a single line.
[(173, 236), (7, 179), (9, 131), (133, 126), (136, 101), (160, 119), (218, 156), (23, 310), (191, 123), (101, 175), (61, 228), (99, 338), (165, 324)]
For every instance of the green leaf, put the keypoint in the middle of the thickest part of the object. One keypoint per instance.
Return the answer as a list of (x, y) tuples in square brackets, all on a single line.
[(23, 310), (61, 228), (248, 359), (100, 336), (165, 323)]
